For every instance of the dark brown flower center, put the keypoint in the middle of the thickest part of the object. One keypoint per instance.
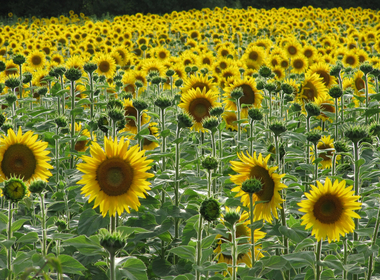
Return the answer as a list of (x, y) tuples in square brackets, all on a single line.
[(130, 111), (104, 66), (19, 160), (328, 209), (267, 191), (115, 176), (36, 60), (199, 108)]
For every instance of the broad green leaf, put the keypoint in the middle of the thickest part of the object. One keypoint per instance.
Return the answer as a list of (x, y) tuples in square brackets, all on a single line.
[(90, 222), (308, 242), (28, 238), (185, 252), (85, 245), (18, 224), (134, 269), (71, 265), (274, 262)]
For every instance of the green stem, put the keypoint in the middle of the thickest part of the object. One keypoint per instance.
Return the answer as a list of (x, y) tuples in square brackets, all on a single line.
[(318, 258), (63, 96), (57, 154), (316, 163), (44, 238), (345, 257), (20, 86), (213, 144), (333, 164), (336, 119), (91, 96), (251, 208), (72, 122), (366, 96), (238, 129), (356, 181), (9, 233), (113, 224), (234, 252), (199, 248), (251, 136), (209, 184), (375, 232), (163, 146), (176, 189), (139, 128), (112, 267)]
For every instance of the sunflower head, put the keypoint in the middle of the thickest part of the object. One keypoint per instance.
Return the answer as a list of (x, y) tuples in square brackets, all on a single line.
[(37, 186), (329, 209), (210, 163), (313, 136), (335, 91), (252, 186), (14, 189), (90, 67), (73, 74), (356, 133), (112, 242), (210, 209), (277, 127)]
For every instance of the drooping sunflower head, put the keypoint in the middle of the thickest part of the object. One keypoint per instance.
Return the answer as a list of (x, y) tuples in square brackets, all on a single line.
[(257, 167), (115, 177), (130, 113), (330, 209), (326, 105), (24, 157), (197, 103), (81, 143)]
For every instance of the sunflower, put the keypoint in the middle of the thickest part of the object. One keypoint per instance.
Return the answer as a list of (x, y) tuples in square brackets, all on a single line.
[(326, 143), (106, 65), (197, 103), (323, 70), (230, 119), (279, 72), (329, 210), (312, 88), (358, 84), (36, 60), (149, 65), (299, 64), (24, 157), (293, 48), (254, 55), (162, 54), (81, 145), (251, 96), (242, 230), (115, 177), (256, 167), (351, 59), (130, 111), (149, 145), (309, 52), (326, 105), (198, 81)]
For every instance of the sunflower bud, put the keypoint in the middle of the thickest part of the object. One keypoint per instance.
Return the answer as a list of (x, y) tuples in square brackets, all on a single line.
[(116, 114), (184, 120), (216, 111), (121, 124), (231, 217), (376, 72), (73, 74), (374, 129), (163, 102), (14, 189), (335, 70), (255, 114), (2, 66), (103, 123), (143, 47), (19, 59), (313, 136), (187, 69), (170, 73), (277, 127), (140, 104), (128, 95), (27, 78), (156, 80), (41, 91), (112, 242), (2, 119), (312, 109), (341, 146), (265, 71), (210, 123), (90, 67), (60, 224), (178, 83), (61, 121), (59, 71), (6, 126), (37, 186), (255, 75), (286, 88), (356, 133), (209, 163), (366, 68), (10, 98), (237, 93), (270, 87), (115, 103), (102, 79), (335, 91), (252, 186), (12, 82), (117, 78), (210, 209), (139, 84)]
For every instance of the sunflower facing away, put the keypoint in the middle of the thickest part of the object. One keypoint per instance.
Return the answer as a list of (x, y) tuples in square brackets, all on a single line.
[(330, 210), (326, 143), (24, 157), (257, 167), (115, 177), (242, 230)]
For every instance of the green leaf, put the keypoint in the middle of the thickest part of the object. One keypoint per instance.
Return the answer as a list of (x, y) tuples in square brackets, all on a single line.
[(301, 259), (134, 269), (7, 243), (85, 245), (185, 252), (165, 133), (90, 222), (178, 140), (308, 242), (207, 242), (291, 234), (28, 238), (129, 230), (161, 267), (71, 265), (3, 221), (274, 262), (18, 224)]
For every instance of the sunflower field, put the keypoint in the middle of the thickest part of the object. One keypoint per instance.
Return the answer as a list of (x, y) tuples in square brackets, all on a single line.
[(207, 144)]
